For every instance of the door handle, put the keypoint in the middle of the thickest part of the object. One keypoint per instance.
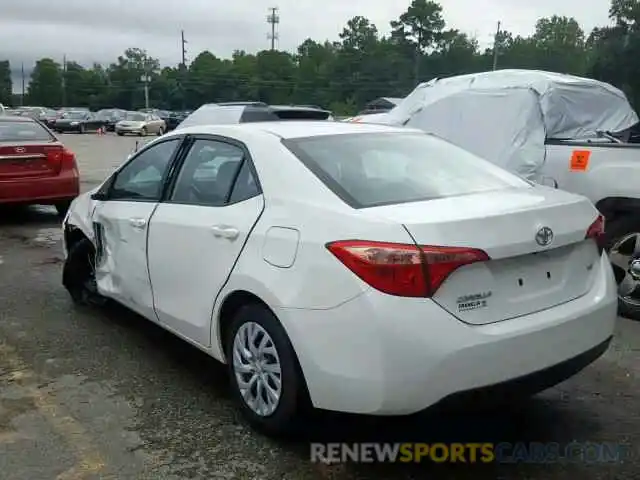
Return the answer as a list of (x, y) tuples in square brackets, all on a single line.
[(221, 231), (138, 222)]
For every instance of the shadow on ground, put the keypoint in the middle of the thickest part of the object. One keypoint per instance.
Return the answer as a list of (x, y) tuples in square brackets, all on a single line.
[(37, 215)]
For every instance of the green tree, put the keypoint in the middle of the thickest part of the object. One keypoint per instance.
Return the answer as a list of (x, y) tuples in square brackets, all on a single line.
[(419, 28), (45, 87), (560, 45), (6, 84)]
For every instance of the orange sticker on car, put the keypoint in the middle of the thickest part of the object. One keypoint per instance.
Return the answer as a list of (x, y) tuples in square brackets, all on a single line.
[(579, 160)]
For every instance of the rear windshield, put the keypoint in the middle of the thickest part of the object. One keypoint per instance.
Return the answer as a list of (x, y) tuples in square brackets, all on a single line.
[(301, 114), (74, 115), (23, 132), (374, 169), (137, 117)]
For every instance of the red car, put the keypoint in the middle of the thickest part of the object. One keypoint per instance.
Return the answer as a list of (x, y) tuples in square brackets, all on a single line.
[(35, 167)]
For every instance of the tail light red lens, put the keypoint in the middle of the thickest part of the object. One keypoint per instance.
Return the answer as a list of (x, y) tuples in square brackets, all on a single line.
[(403, 270), (68, 160), (61, 159), (596, 231)]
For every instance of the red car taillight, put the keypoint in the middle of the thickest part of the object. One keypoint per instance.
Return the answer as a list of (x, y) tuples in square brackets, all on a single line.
[(68, 160), (403, 270), (596, 231), (61, 159)]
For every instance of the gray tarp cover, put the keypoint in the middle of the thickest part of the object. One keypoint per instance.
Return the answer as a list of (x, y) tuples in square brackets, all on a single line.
[(505, 116)]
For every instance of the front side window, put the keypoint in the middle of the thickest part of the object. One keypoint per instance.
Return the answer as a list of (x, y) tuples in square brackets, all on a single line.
[(383, 168), (143, 177)]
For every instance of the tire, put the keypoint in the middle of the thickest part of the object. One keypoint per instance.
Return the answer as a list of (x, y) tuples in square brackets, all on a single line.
[(143, 132), (63, 207), (78, 275), (293, 400), (120, 134), (615, 232)]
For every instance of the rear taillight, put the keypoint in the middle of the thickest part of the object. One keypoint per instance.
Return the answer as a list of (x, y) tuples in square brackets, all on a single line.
[(68, 160), (403, 270), (596, 231), (61, 159)]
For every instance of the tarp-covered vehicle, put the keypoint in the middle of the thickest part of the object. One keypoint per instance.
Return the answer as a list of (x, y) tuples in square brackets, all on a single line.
[(555, 129)]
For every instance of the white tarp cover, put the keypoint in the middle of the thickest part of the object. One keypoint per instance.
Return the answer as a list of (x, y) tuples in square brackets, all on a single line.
[(505, 116)]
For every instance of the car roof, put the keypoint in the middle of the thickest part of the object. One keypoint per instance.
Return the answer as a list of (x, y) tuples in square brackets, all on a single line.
[(288, 129)]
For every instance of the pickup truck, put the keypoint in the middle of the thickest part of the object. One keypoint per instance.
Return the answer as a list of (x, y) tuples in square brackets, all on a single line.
[(563, 131)]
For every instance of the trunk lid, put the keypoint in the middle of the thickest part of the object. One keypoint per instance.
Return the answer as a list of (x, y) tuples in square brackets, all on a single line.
[(29, 160), (521, 276)]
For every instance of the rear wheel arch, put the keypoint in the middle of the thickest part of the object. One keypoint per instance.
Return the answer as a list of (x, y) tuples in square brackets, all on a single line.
[(230, 306), (615, 207)]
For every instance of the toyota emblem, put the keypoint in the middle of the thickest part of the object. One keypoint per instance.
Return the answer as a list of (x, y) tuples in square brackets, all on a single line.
[(20, 150), (544, 236)]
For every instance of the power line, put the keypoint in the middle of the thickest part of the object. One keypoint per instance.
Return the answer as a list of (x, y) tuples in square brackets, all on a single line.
[(273, 19)]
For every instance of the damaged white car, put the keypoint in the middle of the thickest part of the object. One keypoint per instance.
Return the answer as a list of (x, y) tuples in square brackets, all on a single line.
[(355, 268)]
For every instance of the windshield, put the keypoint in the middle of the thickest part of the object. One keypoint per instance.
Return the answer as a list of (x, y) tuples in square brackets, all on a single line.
[(23, 132), (136, 117), (74, 115), (371, 169)]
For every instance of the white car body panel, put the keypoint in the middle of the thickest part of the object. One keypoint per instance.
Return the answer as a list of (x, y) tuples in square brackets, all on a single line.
[(123, 275), (191, 252), (362, 350), (612, 170)]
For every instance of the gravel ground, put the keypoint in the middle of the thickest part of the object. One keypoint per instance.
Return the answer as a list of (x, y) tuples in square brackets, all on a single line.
[(104, 394)]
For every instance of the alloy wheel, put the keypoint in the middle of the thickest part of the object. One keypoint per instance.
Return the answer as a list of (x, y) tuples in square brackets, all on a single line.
[(625, 259), (256, 365)]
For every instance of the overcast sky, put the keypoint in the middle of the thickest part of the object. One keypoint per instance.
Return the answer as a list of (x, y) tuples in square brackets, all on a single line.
[(88, 31)]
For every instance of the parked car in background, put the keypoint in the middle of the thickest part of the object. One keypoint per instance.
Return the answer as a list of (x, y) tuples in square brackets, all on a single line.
[(110, 117), (3, 110), (35, 167), (248, 112), (175, 118), (78, 121), (422, 272), (138, 123)]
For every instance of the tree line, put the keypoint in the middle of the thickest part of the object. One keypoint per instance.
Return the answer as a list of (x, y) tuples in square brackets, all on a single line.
[(343, 75)]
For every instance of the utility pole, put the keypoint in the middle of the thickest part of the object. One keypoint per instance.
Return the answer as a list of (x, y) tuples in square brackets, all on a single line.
[(495, 47), (184, 49), (145, 80), (64, 80), (22, 94), (273, 19), (182, 69)]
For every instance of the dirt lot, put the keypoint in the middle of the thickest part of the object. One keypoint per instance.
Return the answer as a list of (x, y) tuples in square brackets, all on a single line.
[(104, 394)]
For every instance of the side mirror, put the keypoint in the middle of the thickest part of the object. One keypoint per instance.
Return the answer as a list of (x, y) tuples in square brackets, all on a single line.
[(98, 196)]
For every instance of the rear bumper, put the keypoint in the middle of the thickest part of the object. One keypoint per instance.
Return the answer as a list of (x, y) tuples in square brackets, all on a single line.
[(384, 355), (128, 130), (41, 190)]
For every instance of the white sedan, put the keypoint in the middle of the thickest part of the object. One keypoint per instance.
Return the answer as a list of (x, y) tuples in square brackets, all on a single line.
[(349, 267)]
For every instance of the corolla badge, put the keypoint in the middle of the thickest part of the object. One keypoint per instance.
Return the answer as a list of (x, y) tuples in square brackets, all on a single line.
[(20, 150), (544, 236)]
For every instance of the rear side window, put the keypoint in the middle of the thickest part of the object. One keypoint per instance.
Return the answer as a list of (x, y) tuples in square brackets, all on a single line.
[(372, 169), (23, 132)]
